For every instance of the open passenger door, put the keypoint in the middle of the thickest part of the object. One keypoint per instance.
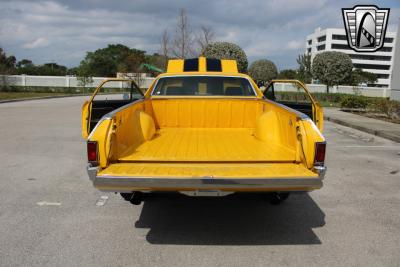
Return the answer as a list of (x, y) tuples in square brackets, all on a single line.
[(294, 94), (109, 95)]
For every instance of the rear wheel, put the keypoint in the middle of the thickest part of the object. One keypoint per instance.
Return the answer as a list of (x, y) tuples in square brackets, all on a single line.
[(135, 198), (127, 196), (277, 198)]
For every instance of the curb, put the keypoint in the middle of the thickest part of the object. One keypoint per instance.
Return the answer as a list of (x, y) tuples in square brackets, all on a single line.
[(379, 133), (39, 98)]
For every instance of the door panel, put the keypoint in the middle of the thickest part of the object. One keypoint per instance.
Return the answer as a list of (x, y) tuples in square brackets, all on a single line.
[(103, 102), (85, 119), (102, 107), (296, 97), (305, 108)]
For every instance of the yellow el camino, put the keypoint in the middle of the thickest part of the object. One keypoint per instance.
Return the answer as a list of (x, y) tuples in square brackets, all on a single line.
[(202, 129)]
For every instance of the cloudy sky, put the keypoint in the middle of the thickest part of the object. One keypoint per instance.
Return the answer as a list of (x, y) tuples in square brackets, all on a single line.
[(63, 31)]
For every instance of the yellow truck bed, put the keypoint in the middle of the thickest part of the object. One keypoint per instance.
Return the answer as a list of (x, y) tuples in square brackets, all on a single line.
[(208, 145)]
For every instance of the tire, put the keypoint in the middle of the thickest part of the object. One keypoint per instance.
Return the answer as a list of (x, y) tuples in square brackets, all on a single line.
[(127, 196), (277, 198)]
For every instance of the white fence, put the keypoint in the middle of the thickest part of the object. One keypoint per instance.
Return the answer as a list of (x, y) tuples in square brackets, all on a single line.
[(71, 81), (344, 89), (62, 81)]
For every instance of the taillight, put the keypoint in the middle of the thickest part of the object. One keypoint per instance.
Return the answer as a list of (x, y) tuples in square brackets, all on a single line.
[(92, 151), (320, 149)]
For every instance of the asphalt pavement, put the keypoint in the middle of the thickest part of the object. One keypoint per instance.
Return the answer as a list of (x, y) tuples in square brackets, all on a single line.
[(50, 215)]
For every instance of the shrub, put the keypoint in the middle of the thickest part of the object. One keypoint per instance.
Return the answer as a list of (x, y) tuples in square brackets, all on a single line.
[(225, 50), (263, 70), (388, 107), (354, 101)]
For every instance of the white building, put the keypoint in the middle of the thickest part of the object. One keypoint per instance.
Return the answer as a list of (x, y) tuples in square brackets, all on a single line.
[(379, 62)]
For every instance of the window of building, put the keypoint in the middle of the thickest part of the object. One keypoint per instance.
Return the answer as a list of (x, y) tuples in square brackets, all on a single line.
[(341, 46), (339, 37), (388, 40), (385, 49), (309, 50), (321, 39), (320, 47), (346, 47), (377, 85), (382, 76), (309, 42), (370, 57), (372, 66)]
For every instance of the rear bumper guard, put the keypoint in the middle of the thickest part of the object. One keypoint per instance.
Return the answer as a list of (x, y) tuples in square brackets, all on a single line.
[(129, 184)]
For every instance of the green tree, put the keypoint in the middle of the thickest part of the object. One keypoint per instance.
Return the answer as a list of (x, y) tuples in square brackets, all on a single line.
[(7, 63), (287, 74), (359, 76), (332, 68), (106, 62), (72, 71), (84, 75), (304, 71), (156, 60), (263, 70), (51, 69), (7, 66), (26, 66), (225, 50)]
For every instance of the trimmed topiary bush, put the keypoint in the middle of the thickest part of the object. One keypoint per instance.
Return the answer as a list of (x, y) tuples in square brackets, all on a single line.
[(263, 70), (332, 68), (225, 50)]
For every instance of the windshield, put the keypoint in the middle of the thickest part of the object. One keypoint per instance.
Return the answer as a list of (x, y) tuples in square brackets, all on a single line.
[(203, 86)]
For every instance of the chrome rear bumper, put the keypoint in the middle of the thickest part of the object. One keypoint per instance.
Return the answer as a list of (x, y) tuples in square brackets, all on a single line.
[(129, 184)]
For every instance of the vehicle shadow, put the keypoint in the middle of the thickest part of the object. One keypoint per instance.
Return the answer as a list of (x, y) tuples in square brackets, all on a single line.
[(233, 220)]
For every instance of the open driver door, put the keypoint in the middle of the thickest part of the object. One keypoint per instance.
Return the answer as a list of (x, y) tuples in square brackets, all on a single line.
[(111, 94), (294, 94)]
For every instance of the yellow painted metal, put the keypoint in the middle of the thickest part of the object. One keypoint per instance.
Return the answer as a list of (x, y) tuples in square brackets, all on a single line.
[(206, 112), (184, 170), (271, 136), (103, 135), (176, 66), (229, 66), (202, 64), (209, 144), (85, 119), (146, 124), (159, 136), (264, 131), (237, 130), (309, 135)]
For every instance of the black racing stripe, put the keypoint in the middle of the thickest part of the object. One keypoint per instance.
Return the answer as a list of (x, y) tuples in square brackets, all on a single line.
[(191, 64), (214, 64)]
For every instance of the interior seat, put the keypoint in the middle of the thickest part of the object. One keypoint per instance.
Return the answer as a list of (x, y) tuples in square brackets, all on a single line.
[(175, 90), (234, 91)]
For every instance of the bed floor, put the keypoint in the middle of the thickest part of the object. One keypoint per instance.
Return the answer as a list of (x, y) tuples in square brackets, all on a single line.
[(208, 144)]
